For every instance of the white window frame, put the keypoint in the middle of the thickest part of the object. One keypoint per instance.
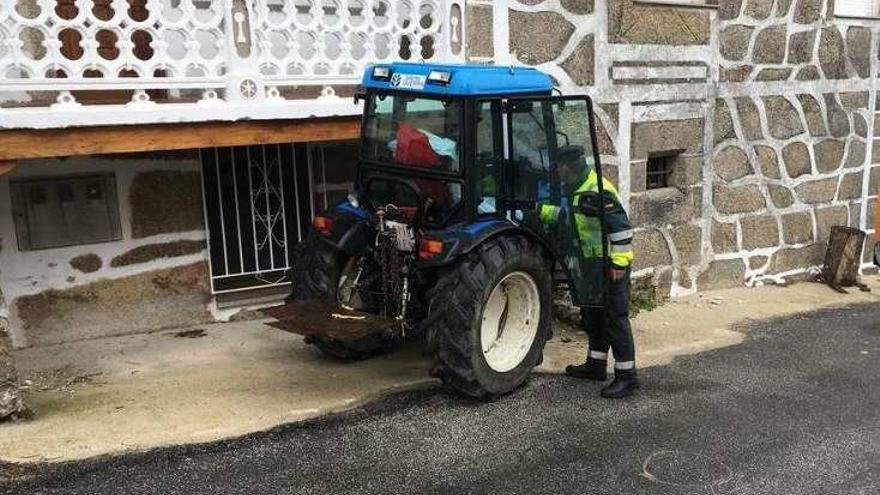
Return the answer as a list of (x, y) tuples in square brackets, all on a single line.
[(857, 9), (686, 4)]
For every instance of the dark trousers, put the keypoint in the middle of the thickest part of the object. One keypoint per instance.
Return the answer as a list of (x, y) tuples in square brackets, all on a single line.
[(609, 328)]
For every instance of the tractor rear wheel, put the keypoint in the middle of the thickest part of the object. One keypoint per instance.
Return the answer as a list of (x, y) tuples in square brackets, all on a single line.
[(322, 272), (489, 317), (316, 270)]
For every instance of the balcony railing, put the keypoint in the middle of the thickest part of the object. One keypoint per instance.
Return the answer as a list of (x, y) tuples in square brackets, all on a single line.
[(91, 62)]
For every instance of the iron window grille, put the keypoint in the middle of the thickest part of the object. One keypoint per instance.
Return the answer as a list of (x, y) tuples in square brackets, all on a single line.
[(659, 168)]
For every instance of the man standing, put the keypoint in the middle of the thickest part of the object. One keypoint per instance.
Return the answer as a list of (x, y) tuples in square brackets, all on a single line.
[(608, 327)]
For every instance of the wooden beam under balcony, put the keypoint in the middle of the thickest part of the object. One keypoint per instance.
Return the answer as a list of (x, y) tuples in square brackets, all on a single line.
[(21, 144)]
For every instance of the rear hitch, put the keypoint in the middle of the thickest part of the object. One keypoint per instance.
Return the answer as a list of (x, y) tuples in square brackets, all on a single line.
[(312, 318)]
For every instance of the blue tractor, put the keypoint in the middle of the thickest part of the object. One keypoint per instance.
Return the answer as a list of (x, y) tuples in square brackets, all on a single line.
[(442, 236)]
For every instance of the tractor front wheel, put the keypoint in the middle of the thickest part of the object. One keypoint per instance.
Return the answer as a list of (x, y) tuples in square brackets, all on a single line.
[(490, 316)]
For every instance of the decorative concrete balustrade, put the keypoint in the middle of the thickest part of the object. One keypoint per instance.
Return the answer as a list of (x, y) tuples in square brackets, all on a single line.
[(75, 62)]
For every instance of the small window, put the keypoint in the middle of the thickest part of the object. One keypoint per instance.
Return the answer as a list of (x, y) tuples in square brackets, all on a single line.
[(658, 169), (65, 211), (856, 8)]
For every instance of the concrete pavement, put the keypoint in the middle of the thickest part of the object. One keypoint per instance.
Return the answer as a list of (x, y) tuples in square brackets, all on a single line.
[(217, 381), (794, 409), (109, 396), (709, 320)]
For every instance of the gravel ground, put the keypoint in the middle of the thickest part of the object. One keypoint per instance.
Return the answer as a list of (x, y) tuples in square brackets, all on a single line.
[(795, 409)]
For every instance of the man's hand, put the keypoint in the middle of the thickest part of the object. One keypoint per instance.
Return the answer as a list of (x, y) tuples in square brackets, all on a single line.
[(615, 275)]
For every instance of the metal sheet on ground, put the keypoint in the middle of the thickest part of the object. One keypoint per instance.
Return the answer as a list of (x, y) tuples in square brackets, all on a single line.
[(313, 318)]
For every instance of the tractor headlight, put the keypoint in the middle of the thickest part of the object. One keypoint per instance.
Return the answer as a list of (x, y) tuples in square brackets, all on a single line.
[(382, 73), (440, 77), (353, 200)]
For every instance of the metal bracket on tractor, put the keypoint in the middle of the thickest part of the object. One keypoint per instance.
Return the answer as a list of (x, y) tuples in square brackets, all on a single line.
[(318, 318)]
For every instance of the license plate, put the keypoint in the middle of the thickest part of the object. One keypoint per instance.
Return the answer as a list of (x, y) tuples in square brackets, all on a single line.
[(403, 233)]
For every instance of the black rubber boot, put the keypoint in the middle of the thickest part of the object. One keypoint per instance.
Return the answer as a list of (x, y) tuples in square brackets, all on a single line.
[(593, 369), (625, 384)]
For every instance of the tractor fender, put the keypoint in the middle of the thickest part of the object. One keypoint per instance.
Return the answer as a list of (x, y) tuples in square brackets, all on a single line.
[(351, 232), (462, 239), (356, 240)]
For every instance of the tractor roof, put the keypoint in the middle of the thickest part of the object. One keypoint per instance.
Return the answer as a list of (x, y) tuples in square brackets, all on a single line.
[(464, 80)]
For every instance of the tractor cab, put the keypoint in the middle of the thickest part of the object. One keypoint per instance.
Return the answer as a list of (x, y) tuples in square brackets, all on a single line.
[(458, 164), (420, 130), (474, 148)]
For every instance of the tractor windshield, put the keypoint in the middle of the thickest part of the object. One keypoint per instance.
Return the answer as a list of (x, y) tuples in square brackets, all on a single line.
[(409, 131)]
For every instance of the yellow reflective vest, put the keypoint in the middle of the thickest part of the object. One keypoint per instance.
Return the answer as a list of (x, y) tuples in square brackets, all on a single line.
[(620, 232)]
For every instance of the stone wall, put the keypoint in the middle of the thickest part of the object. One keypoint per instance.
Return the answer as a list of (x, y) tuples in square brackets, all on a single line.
[(793, 161), (167, 298), (155, 276), (177, 209), (790, 167), (669, 237), (769, 103), (634, 23), (11, 404)]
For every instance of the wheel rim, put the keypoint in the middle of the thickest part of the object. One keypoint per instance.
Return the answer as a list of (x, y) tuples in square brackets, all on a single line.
[(510, 321)]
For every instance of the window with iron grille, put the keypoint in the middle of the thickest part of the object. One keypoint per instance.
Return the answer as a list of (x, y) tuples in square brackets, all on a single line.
[(65, 211), (658, 170)]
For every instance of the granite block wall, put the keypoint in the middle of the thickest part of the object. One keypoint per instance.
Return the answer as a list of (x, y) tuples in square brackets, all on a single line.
[(768, 106)]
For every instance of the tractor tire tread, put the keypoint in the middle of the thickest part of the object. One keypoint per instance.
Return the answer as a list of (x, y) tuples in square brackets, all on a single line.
[(315, 275), (454, 303), (315, 270)]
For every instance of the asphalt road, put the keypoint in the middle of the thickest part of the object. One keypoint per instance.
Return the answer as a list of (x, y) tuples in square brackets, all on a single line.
[(793, 410)]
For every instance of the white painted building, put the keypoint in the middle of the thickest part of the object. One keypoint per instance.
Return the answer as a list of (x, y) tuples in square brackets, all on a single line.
[(133, 128), (160, 158)]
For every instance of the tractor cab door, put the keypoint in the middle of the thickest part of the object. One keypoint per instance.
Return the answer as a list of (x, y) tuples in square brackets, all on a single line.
[(551, 200)]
